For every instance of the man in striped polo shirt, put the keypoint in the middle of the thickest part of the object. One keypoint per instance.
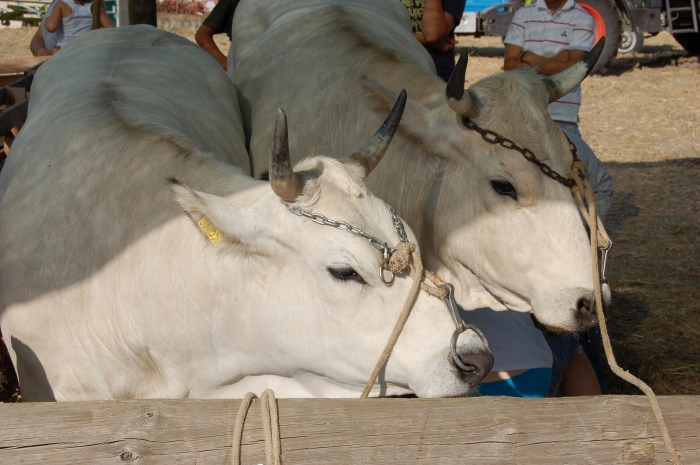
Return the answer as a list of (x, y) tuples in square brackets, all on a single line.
[(550, 36)]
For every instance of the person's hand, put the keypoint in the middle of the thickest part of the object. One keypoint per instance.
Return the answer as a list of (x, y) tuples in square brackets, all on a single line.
[(223, 61), (562, 56), (44, 52), (443, 45)]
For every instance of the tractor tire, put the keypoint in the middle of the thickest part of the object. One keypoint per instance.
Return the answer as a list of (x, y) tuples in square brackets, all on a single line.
[(690, 41), (608, 23)]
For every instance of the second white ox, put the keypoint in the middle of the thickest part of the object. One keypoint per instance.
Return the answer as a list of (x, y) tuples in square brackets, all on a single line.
[(110, 291), (488, 220)]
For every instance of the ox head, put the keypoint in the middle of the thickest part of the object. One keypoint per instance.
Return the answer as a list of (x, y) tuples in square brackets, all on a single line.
[(507, 235), (321, 314)]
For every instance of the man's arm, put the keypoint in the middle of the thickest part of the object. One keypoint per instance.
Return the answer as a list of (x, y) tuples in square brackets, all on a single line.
[(442, 45), (436, 23), (515, 58), (512, 58), (205, 39), (555, 64)]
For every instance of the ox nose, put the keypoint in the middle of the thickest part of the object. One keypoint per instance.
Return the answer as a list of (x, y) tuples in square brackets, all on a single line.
[(480, 364), (470, 353), (586, 313)]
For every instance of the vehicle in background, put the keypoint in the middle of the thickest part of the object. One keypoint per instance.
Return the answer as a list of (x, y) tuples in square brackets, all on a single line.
[(27, 13), (622, 22)]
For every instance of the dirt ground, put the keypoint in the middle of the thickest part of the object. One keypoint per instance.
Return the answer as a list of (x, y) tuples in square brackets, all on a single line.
[(643, 120)]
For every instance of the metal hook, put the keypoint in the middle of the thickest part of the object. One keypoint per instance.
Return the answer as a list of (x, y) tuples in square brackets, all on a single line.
[(383, 267), (604, 262), (449, 300)]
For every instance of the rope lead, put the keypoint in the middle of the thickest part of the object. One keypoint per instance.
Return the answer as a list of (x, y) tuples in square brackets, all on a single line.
[(583, 188)]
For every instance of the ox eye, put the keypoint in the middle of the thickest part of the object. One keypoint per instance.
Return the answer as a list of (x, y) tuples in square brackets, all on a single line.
[(504, 188), (346, 274)]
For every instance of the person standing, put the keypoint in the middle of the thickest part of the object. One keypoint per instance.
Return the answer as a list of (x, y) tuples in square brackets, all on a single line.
[(433, 24), (551, 36), (76, 18), (219, 21)]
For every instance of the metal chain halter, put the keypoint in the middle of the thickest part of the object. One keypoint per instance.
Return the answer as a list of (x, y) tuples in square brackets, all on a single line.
[(495, 138), (442, 290), (354, 230)]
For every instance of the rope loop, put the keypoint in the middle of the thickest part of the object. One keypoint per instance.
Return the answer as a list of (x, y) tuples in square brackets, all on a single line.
[(271, 427), (401, 258)]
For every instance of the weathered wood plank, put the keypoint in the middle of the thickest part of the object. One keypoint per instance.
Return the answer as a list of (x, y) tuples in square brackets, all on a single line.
[(606, 429), (20, 65), (24, 82)]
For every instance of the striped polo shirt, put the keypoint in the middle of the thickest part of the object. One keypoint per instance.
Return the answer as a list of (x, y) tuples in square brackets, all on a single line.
[(537, 30)]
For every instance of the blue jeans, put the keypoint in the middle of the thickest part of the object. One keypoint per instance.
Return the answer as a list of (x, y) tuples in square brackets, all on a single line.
[(595, 170)]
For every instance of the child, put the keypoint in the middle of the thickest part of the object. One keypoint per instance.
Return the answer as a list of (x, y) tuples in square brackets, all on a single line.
[(76, 18)]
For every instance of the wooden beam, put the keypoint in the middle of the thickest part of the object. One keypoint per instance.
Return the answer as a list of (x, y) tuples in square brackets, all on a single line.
[(122, 13), (486, 430), (13, 116), (24, 82)]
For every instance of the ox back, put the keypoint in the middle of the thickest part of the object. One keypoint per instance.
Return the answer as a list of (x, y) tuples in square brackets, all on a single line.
[(112, 117)]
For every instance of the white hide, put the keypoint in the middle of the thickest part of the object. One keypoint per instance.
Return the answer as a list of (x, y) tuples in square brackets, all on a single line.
[(337, 67), (111, 291)]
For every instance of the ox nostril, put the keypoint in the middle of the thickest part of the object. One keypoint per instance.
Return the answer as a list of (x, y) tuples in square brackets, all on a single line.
[(481, 362), (586, 312), (583, 305)]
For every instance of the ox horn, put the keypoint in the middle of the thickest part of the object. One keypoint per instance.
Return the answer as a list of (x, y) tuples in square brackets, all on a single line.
[(283, 180), (374, 149), (565, 81), (462, 103)]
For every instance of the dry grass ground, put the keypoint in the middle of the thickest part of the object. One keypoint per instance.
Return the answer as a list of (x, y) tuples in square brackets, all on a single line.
[(643, 120)]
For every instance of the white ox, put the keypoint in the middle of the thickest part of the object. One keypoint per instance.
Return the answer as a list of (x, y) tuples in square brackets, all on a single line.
[(488, 220), (110, 291)]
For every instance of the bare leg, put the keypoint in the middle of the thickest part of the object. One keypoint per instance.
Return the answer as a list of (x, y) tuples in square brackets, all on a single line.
[(579, 378)]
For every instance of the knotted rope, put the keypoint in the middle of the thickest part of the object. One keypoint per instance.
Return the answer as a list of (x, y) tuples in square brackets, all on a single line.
[(404, 258), (271, 428), (583, 189)]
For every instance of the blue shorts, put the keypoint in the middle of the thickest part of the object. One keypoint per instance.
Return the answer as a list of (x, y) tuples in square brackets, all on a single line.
[(533, 383)]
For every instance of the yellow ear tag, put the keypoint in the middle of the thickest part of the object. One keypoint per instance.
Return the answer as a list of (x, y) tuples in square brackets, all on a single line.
[(214, 235)]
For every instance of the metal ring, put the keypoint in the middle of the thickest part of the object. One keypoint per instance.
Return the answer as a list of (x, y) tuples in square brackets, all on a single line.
[(453, 346), (381, 276)]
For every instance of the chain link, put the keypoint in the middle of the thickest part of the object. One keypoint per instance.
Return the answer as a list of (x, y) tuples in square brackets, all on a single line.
[(343, 226), (493, 137)]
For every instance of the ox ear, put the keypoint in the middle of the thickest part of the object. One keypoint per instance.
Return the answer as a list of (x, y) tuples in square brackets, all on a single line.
[(381, 100), (217, 219)]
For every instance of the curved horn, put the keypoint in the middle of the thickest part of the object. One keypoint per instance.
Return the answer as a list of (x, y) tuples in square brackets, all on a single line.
[(462, 103), (374, 149), (283, 180), (565, 81)]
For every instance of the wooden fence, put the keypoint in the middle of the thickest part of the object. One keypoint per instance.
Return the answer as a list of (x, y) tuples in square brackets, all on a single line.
[(487, 430)]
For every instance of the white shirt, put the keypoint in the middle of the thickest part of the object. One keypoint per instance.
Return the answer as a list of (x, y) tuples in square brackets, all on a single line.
[(537, 30), (515, 342), (79, 22)]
